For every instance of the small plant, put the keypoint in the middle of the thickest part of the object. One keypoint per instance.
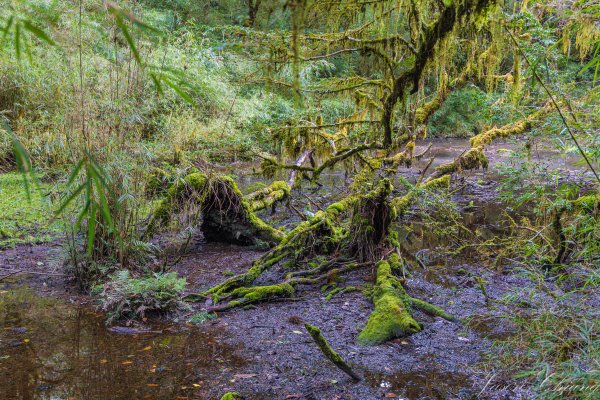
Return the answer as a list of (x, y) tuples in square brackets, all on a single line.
[(201, 317), (126, 297)]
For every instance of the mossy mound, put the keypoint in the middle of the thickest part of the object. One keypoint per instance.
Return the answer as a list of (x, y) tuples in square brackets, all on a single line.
[(226, 215)]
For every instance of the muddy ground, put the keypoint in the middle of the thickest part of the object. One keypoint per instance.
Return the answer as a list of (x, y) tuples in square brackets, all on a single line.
[(263, 352)]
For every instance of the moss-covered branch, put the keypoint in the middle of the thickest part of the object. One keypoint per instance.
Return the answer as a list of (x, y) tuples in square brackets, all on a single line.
[(474, 157), (331, 354)]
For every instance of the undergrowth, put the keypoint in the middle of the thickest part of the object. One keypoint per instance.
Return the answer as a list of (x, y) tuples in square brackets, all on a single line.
[(123, 296)]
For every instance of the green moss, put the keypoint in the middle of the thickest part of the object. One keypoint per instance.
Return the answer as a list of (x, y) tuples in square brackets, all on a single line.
[(587, 203), (231, 396), (390, 317), (326, 349), (263, 198), (260, 293), (431, 309)]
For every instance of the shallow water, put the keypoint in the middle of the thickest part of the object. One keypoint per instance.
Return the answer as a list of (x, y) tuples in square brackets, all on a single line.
[(53, 350)]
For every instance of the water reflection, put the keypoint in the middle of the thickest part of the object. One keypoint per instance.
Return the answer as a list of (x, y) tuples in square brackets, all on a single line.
[(50, 350)]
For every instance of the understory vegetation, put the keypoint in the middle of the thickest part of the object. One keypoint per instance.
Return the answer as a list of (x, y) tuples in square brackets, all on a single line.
[(132, 130)]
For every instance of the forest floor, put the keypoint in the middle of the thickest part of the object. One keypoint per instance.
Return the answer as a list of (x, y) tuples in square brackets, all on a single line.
[(263, 351)]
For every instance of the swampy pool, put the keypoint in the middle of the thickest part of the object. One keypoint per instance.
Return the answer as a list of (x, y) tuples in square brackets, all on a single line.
[(50, 349)]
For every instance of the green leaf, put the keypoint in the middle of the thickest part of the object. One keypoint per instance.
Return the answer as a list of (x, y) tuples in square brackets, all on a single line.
[(6, 29), (179, 90), (75, 172), (18, 40), (91, 231), (37, 32), (128, 38), (69, 199)]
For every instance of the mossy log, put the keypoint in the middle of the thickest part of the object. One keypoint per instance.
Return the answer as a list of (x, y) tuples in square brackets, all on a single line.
[(474, 158), (323, 234), (268, 196), (331, 354), (226, 215), (391, 317)]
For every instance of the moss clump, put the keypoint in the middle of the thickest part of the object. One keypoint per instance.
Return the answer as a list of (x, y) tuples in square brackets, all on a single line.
[(260, 293), (227, 215), (391, 317), (231, 396), (587, 203)]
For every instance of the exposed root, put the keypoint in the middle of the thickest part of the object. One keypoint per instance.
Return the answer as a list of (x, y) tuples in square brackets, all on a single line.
[(227, 215)]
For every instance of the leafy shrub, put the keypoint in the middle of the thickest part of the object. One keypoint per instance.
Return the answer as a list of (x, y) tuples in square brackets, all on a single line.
[(126, 297), (201, 317)]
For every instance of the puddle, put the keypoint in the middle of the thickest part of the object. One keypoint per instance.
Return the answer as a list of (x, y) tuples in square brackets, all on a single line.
[(52, 350), (420, 385)]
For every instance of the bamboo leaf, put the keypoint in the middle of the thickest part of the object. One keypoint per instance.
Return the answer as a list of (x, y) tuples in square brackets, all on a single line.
[(128, 38), (18, 40), (6, 29), (37, 32), (69, 199), (75, 172), (178, 90), (91, 231)]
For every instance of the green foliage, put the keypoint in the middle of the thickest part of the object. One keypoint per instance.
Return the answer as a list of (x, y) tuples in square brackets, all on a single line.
[(557, 344), (125, 297), (201, 317), (25, 217), (463, 114)]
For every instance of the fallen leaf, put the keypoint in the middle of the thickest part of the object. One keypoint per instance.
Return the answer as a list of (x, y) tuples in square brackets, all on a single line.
[(391, 395), (293, 396), (153, 385), (25, 340), (298, 332), (103, 361), (195, 385), (146, 348), (127, 362)]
